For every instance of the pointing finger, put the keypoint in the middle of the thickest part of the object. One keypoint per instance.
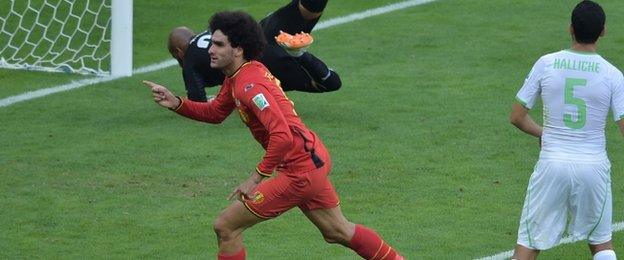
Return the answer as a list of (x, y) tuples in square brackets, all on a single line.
[(149, 84)]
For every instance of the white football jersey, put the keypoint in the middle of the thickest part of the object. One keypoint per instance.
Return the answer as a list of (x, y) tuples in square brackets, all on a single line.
[(577, 90)]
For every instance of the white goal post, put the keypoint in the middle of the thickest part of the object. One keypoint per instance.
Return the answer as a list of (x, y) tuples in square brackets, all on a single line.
[(121, 45), (77, 36)]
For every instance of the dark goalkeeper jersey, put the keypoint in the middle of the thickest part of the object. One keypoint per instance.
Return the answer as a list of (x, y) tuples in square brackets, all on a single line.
[(302, 74), (198, 74)]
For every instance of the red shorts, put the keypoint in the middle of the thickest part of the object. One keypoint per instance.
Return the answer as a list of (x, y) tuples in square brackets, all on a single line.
[(308, 190)]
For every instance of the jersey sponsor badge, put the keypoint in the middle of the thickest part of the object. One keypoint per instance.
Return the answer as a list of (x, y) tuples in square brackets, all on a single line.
[(260, 101), (248, 87)]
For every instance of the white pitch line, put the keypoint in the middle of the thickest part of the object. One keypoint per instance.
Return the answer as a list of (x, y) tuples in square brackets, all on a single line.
[(369, 13), (566, 240), (5, 102)]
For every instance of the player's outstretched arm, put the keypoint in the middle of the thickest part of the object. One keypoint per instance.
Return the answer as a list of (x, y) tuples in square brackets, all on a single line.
[(162, 95)]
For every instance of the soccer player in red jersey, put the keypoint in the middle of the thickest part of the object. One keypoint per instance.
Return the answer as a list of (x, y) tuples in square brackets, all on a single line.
[(293, 151)]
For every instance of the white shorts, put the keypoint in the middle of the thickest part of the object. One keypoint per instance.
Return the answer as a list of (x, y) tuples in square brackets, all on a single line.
[(559, 190)]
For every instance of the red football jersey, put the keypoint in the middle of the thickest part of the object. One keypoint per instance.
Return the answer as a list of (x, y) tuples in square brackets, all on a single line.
[(268, 113)]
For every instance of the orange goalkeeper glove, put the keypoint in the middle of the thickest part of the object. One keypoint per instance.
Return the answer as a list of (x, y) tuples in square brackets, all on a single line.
[(296, 44)]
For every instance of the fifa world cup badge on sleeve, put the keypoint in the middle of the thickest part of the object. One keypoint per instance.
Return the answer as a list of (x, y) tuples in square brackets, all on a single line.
[(260, 101)]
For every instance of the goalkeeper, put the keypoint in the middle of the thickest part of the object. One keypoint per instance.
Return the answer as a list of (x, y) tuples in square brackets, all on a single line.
[(286, 31)]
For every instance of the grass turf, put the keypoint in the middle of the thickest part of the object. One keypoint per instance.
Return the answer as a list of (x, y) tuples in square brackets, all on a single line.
[(422, 148)]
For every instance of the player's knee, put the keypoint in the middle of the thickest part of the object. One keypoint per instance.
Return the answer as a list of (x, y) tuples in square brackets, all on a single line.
[(337, 236), (221, 228), (332, 83)]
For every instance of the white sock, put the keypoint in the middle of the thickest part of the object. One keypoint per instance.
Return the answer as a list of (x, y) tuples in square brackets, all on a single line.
[(605, 255)]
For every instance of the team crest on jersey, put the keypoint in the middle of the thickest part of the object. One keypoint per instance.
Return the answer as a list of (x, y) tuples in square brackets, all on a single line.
[(257, 198), (248, 87), (260, 101)]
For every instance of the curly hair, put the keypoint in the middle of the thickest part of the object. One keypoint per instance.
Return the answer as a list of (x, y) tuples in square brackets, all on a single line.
[(242, 31)]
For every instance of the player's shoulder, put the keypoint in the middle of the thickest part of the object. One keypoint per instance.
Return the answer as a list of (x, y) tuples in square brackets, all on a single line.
[(554, 54), (546, 61), (257, 66), (612, 70), (251, 75), (549, 57), (253, 70), (197, 49), (246, 73), (204, 34), (200, 42)]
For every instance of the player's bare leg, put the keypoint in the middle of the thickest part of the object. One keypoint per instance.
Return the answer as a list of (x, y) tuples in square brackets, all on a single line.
[(602, 251), (229, 227), (337, 229), (332, 224), (523, 253), (600, 247)]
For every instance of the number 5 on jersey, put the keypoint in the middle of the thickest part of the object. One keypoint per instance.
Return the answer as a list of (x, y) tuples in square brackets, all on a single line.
[(581, 107)]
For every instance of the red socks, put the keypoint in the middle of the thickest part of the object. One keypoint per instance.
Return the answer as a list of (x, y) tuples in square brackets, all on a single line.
[(365, 242), (369, 245), (237, 256)]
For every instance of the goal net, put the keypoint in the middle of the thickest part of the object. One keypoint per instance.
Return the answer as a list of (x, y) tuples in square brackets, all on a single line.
[(58, 35)]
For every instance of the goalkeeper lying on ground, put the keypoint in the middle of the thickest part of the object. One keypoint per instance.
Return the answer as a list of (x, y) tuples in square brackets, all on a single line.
[(286, 59)]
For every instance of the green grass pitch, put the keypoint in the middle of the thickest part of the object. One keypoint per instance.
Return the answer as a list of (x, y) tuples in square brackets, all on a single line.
[(423, 151)]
